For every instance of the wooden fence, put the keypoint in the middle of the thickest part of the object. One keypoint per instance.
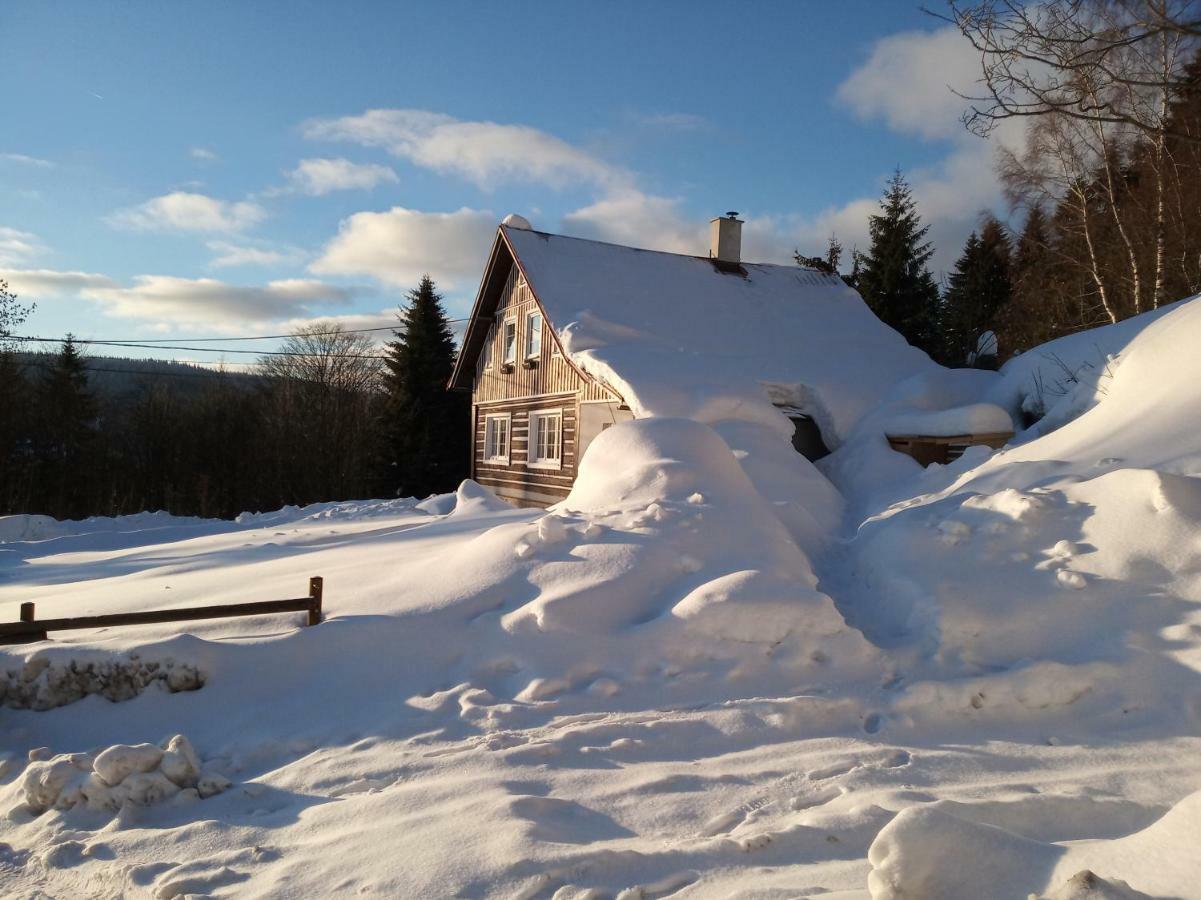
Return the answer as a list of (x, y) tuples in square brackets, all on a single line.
[(32, 629)]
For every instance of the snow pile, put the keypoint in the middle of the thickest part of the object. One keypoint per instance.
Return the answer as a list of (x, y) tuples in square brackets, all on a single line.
[(1063, 378), (932, 853), (141, 775), (24, 527), (940, 402), (44, 682), (636, 575), (676, 337), (471, 499)]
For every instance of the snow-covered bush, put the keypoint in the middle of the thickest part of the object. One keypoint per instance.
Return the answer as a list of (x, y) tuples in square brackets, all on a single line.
[(42, 683)]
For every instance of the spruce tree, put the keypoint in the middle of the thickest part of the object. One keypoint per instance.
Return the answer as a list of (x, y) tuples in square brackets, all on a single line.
[(1033, 314), (426, 428), (979, 288), (14, 402), (893, 277), (66, 436)]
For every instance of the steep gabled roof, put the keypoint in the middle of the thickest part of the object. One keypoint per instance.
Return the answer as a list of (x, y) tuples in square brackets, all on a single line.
[(674, 335)]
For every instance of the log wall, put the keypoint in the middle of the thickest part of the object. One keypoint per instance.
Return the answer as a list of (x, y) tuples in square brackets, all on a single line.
[(551, 383)]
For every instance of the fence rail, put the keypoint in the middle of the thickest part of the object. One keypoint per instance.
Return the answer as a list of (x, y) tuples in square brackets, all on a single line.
[(31, 628)]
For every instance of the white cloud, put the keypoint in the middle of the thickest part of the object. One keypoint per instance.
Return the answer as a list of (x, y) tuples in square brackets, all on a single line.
[(203, 154), (908, 79), (17, 247), (486, 153), (36, 284), (639, 220), (23, 160), (230, 254), (184, 211), (321, 176), (907, 82), (397, 247), (209, 302)]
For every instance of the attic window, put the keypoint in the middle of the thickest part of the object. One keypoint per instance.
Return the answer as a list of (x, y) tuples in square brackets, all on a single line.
[(489, 343), (509, 342), (533, 335)]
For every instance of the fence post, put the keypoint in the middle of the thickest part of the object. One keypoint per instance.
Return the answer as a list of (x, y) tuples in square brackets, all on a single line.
[(316, 587), (26, 612)]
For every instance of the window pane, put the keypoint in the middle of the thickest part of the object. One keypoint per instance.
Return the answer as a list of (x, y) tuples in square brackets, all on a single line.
[(510, 341), (533, 335)]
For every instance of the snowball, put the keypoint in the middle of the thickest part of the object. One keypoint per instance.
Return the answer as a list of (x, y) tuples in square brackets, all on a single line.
[(180, 762), (118, 762), (45, 780)]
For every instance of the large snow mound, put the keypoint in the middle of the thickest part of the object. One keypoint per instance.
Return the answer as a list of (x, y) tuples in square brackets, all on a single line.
[(1058, 380), (933, 853)]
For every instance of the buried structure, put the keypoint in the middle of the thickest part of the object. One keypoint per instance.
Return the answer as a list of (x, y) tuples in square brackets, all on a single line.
[(568, 337)]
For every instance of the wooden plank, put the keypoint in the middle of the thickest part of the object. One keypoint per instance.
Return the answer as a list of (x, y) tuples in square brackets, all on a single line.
[(30, 627)]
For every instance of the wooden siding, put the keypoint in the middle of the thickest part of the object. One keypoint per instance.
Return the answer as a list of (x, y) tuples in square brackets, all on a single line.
[(552, 383), (551, 374), (517, 482)]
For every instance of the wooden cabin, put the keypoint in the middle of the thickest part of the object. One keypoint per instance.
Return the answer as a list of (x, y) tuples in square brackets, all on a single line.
[(568, 337), (534, 411)]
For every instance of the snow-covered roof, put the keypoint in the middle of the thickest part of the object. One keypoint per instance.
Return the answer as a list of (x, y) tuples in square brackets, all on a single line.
[(675, 336)]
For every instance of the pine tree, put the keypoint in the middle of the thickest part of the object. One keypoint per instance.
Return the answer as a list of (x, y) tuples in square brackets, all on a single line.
[(14, 402), (834, 254), (979, 288), (893, 278), (66, 436), (1034, 313), (856, 273), (426, 428)]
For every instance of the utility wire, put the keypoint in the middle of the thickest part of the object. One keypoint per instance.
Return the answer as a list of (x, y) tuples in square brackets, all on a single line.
[(201, 349), (198, 340)]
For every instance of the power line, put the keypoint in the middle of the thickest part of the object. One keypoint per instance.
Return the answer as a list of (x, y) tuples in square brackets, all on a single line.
[(199, 340), (198, 349)]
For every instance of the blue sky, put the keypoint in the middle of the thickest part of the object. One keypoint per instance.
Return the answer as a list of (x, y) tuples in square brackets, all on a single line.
[(174, 170)]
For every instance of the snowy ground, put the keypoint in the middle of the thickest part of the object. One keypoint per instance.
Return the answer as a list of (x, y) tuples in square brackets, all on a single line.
[(708, 674)]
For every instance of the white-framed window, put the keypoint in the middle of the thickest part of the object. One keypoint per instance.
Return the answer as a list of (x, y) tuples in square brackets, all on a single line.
[(489, 343), (496, 438), (533, 335), (509, 341), (546, 439)]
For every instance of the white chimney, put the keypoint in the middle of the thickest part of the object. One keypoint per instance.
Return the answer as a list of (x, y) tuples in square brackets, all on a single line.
[(725, 238)]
